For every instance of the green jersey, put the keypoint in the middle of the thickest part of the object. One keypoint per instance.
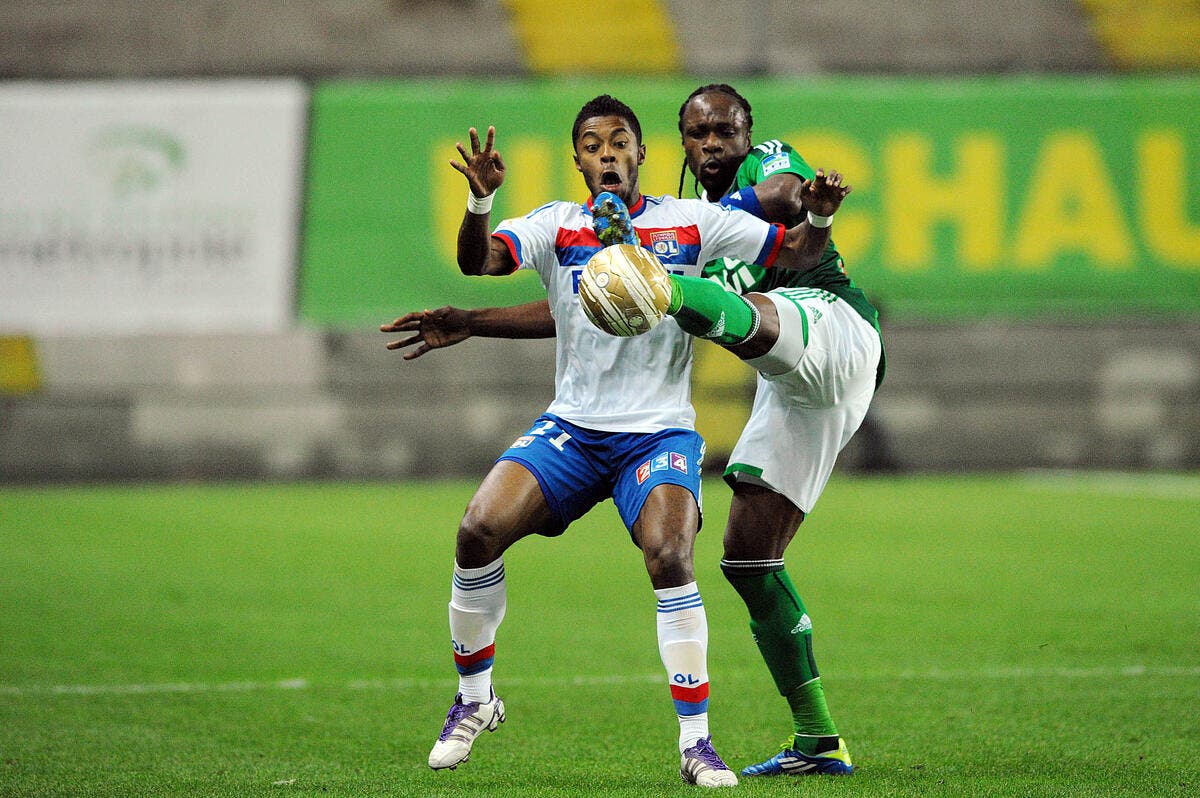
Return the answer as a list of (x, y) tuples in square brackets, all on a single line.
[(776, 157)]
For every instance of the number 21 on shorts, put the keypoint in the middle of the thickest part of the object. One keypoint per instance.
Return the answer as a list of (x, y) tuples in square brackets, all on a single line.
[(543, 429)]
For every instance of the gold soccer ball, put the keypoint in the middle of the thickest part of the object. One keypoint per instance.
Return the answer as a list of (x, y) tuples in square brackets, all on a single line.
[(624, 290)]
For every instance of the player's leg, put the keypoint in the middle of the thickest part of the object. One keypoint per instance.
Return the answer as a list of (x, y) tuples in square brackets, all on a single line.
[(507, 506), (543, 482), (666, 531), (658, 496), (746, 325), (761, 524), (815, 386)]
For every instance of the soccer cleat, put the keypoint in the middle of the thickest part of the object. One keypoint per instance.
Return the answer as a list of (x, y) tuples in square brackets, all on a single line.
[(701, 766), (790, 762), (464, 722), (610, 220)]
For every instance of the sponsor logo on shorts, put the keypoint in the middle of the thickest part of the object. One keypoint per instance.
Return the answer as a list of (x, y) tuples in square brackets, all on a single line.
[(659, 463), (664, 243), (679, 462), (773, 163), (522, 442), (643, 472)]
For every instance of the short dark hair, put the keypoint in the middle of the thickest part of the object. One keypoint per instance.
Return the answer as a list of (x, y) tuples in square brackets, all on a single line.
[(722, 88), (606, 105)]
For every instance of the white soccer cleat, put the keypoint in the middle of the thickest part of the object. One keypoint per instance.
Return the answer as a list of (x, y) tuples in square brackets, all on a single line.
[(464, 722), (701, 766), (624, 290)]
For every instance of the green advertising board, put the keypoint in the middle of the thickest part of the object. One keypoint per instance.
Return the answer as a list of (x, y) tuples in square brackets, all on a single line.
[(1013, 197)]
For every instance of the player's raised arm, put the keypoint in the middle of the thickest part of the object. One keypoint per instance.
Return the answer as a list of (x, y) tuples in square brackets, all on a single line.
[(436, 329), (805, 243), (478, 252), (777, 198)]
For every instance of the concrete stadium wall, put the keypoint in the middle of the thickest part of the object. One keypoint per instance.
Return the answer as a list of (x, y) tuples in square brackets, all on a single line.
[(311, 404), (128, 39)]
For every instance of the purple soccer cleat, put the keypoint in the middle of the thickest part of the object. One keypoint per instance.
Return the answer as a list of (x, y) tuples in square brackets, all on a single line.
[(464, 722)]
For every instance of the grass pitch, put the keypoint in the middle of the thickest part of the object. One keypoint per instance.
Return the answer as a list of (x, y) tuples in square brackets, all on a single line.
[(1008, 636)]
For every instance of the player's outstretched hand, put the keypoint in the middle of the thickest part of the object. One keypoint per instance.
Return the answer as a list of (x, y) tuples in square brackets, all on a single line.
[(483, 168), (434, 329), (823, 194)]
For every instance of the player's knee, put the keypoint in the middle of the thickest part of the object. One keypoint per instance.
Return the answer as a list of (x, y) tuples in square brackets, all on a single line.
[(480, 540), (668, 559)]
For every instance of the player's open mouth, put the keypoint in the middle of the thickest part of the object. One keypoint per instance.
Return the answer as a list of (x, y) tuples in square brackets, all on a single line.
[(610, 180), (711, 167)]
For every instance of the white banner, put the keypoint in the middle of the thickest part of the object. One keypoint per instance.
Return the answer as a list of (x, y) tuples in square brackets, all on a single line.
[(149, 206)]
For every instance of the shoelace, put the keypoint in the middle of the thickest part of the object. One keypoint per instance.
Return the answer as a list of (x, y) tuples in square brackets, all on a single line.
[(457, 712), (704, 752)]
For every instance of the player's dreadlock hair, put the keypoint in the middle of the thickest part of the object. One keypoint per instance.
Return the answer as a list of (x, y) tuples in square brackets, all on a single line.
[(723, 88), (606, 105)]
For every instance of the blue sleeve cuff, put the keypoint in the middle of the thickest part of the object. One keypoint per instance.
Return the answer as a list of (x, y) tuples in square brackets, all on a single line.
[(745, 200)]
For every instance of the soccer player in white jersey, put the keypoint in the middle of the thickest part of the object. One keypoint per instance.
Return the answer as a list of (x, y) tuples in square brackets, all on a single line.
[(620, 426), (776, 480)]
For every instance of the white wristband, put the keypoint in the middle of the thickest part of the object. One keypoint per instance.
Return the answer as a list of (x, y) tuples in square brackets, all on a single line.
[(819, 221), (480, 205)]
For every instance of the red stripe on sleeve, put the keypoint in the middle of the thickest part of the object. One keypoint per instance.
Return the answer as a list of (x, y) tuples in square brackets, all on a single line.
[(512, 248), (780, 234)]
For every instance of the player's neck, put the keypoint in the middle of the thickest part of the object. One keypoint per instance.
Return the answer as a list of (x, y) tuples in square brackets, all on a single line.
[(715, 196)]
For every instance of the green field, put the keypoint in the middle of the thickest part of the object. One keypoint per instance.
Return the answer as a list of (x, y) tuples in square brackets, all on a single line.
[(992, 635)]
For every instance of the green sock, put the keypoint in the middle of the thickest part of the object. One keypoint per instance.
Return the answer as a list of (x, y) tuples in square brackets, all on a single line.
[(815, 732), (783, 632), (705, 309)]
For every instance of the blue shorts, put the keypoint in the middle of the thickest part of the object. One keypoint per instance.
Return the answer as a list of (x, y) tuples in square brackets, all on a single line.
[(578, 468)]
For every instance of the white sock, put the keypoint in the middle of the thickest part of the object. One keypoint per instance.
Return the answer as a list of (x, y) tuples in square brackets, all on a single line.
[(683, 646), (477, 602)]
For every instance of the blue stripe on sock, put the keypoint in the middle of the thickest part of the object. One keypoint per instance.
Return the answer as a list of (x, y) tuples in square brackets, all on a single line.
[(479, 582), (688, 708), (499, 569), (479, 586), (678, 600), (681, 603)]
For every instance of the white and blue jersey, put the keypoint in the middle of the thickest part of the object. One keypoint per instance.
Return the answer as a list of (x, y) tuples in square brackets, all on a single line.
[(642, 383)]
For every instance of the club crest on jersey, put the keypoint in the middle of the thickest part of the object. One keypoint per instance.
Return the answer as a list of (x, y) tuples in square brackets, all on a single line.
[(773, 163), (679, 462), (665, 243), (643, 472)]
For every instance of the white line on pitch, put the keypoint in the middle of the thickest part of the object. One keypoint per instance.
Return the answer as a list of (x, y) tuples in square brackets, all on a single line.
[(163, 687), (1129, 671)]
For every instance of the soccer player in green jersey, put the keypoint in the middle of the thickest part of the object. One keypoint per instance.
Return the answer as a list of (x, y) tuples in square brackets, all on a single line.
[(814, 339)]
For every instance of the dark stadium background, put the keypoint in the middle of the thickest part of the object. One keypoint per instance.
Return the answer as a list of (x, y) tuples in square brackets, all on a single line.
[(1069, 362)]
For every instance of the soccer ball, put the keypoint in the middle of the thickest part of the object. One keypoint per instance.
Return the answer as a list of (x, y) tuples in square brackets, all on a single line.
[(624, 290)]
